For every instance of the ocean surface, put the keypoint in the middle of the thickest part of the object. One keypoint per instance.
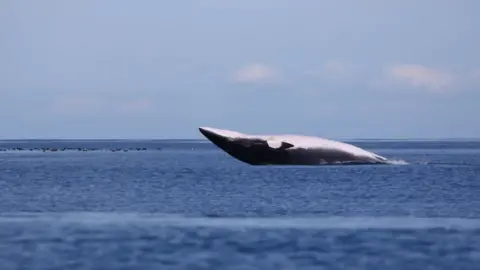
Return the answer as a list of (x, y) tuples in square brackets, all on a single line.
[(187, 205)]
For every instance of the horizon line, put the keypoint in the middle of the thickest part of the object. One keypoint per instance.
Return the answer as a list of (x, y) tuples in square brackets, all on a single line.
[(204, 139)]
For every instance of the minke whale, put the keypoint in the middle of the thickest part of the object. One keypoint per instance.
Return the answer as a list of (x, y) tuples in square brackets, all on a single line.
[(288, 149)]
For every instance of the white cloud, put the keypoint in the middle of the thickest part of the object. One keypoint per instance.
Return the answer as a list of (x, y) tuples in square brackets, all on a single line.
[(419, 76), (137, 106), (75, 105), (476, 76), (87, 106), (334, 67), (255, 72), (334, 71)]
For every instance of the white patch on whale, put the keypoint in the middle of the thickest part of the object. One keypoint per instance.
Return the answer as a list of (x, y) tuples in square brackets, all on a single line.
[(274, 144)]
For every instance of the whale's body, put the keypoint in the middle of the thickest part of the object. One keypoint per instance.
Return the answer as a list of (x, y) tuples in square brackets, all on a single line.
[(288, 149)]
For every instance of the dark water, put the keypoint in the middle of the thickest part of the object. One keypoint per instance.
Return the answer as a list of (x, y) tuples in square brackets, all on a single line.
[(187, 205)]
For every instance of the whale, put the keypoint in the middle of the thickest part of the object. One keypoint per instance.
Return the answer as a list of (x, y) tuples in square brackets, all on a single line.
[(288, 149)]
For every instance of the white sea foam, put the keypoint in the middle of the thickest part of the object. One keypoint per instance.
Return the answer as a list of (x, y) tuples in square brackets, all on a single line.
[(398, 162), (169, 220)]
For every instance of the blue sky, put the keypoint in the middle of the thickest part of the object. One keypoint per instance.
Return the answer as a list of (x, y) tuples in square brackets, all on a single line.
[(160, 69)]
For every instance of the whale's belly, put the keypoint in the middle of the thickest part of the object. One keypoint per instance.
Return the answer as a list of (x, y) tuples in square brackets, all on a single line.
[(329, 156)]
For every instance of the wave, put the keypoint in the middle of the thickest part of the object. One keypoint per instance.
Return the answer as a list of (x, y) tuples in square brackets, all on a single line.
[(172, 220)]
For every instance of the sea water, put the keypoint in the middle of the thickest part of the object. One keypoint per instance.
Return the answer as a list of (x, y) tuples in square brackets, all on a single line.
[(188, 205)]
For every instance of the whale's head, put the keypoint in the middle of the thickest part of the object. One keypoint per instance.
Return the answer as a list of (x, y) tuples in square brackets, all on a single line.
[(249, 149)]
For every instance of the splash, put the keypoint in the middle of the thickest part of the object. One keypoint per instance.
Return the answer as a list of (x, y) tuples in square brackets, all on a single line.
[(397, 162)]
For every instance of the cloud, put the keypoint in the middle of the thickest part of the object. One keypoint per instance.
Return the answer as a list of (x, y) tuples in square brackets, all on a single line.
[(334, 67), (256, 72), (76, 105), (137, 106), (88, 106), (419, 76), (475, 76)]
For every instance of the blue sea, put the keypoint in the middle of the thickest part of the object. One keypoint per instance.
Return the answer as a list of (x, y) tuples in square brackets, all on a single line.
[(185, 204)]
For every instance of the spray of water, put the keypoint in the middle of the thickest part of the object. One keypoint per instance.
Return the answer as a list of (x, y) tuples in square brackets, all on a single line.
[(397, 162)]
